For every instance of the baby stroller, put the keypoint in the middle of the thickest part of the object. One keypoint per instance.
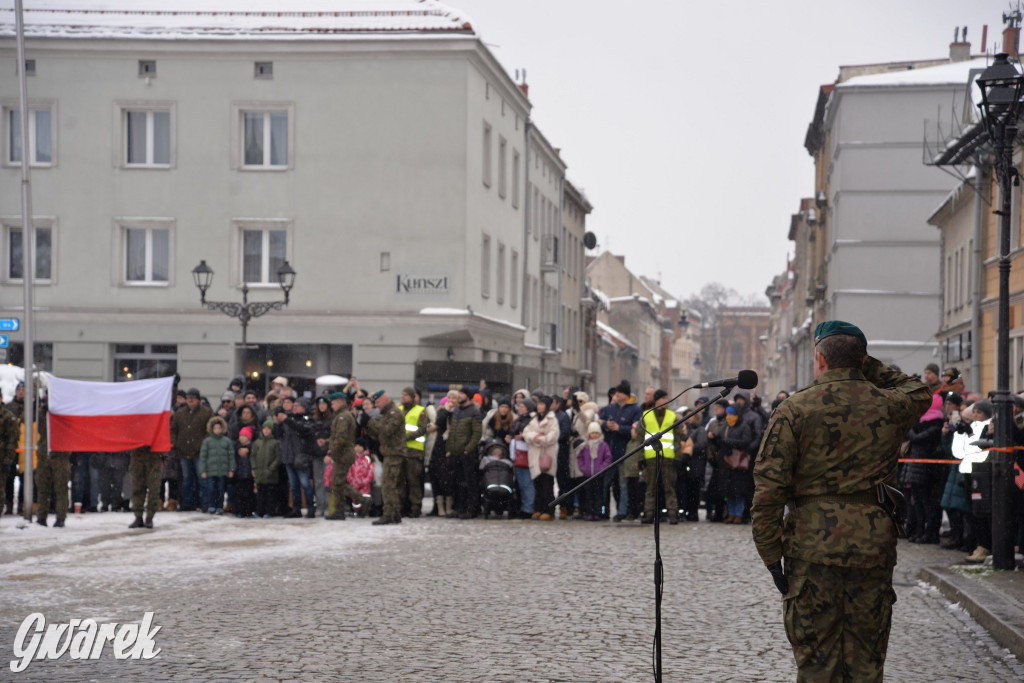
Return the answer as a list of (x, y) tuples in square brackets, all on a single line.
[(497, 479)]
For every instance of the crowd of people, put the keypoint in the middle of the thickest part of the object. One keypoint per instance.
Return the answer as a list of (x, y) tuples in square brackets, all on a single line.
[(351, 452)]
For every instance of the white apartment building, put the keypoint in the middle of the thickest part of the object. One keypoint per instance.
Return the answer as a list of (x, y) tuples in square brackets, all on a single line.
[(379, 148)]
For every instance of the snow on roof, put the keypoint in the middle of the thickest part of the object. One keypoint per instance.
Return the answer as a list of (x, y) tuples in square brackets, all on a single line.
[(463, 311), (613, 335), (955, 73), (234, 19)]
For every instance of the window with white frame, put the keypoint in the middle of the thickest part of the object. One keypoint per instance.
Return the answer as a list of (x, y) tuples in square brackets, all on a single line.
[(501, 273), (264, 248), (487, 154), (145, 251), (502, 163), (485, 266), (42, 255), (146, 134), (42, 134), (515, 179), (263, 136), (513, 288)]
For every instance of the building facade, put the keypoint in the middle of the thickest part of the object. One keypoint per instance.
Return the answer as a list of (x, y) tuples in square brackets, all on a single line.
[(386, 156)]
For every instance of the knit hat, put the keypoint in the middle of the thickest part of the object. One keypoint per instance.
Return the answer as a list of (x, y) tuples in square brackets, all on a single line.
[(623, 388), (530, 403), (934, 367), (410, 391), (593, 428), (269, 422), (582, 397), (247, 432), (954, 398), (935, 411)]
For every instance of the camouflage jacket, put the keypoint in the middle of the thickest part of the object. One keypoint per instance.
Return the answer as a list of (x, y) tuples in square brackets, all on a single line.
[(343, 437), (389, 430), (9, 430), (837, 437)]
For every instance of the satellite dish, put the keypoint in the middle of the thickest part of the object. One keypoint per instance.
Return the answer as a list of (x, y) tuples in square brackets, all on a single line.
[(589, 240)]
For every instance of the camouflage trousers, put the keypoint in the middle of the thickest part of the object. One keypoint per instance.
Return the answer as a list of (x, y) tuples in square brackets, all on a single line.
[(5, 471), (53, 474), (340, 488), (393, 484), (668, 485), (413, 488), (837, 620), (146, 472)]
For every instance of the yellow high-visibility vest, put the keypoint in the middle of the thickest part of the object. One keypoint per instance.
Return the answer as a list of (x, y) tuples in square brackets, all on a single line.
[(412, 419), (667, 439)]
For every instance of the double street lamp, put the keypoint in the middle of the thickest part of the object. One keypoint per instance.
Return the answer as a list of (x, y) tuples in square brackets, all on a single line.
[(1001, 89), (202, 275)]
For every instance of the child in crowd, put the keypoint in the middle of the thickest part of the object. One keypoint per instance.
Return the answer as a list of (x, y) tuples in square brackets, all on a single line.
[(245, 498), (266, 458), (360, 476), (216, 463), (592, 456)]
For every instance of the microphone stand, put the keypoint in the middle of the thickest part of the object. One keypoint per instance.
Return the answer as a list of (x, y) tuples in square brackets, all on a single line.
[(653, 441)]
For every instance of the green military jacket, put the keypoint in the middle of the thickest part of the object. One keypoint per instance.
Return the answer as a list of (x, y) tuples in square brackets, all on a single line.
[(342, 443), (839, 436), (8, 437), (389, 430)]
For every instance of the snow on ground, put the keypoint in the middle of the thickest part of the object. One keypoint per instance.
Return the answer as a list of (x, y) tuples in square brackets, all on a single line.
[(182, 547)]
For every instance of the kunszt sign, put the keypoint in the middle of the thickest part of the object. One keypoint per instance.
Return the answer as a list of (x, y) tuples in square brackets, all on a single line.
[(430, 285)]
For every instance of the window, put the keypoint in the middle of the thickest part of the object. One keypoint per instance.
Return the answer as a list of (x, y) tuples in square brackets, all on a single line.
[(264, 70), (501, 273), (147, 68), (263, 136), (145, 250), (14, 251), (385, 261), (502, 162), (513, 296), (144, 361), (147, 254), (146, 132), (515, 179), (485, 266), (487, 154), (42, 135), (263, 247), (30, 67)]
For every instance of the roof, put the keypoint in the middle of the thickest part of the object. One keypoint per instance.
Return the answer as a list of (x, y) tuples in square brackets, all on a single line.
[(954, 73), (234, 19)]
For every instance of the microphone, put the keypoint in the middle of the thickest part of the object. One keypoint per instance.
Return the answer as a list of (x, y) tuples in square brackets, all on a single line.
[(747, 379)]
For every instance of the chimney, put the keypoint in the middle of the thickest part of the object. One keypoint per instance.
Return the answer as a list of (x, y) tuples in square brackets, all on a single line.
[(525, 88), (959, 49), (1011, 40)]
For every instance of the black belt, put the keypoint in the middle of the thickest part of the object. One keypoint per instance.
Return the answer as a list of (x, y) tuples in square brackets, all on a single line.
[(863, 498)]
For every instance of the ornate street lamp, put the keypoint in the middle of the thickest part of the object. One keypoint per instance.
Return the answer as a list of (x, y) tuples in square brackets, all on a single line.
[(1001, 88), (202, 276)]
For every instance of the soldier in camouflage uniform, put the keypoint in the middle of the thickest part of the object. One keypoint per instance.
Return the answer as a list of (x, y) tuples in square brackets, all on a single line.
[(825, 450), (341, 451), (146, 472), (389, 431), (8, 450), (52, 475), (416, 423)]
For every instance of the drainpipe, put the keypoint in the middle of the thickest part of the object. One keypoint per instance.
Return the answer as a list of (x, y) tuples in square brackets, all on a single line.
[(527, 207), (560, 338), (976, 281)]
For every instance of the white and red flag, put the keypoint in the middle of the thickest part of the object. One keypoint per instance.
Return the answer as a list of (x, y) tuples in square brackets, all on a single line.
[(107, 417)]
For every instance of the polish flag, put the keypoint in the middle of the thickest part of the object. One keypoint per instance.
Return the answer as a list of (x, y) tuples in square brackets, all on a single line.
[(107, 417)]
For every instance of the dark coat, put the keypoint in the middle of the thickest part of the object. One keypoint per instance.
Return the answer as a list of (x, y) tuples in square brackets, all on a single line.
[(294, 434), (735, 484), (925, 444)]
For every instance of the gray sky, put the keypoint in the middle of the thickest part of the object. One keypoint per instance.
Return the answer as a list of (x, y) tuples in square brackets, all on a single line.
[(684, 122)]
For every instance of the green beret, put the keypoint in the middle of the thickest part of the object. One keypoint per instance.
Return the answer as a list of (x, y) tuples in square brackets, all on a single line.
[(830, 327), (377, 394), (338, 395)]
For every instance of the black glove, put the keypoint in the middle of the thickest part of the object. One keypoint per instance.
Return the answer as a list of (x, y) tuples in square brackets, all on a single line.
[(779, 577)]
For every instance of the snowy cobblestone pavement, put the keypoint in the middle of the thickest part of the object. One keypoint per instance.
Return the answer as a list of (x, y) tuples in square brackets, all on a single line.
[(442, 600)]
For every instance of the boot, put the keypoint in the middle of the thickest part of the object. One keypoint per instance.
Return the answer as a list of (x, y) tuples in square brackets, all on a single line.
[(979, 555), (41, 521), (441, 509), (58, 524), (564, 512), (171, 506), (149, 521), (138, 523), (310, 512), (387, 519)]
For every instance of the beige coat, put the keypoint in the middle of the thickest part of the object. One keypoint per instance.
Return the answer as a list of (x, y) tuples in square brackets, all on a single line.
[(542, 437)]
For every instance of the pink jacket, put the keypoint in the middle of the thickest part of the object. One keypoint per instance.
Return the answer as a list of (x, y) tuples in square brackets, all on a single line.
[(360, 475)]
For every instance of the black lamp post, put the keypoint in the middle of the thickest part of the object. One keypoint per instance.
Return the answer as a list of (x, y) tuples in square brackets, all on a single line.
[(1001, 89), (202, 275)]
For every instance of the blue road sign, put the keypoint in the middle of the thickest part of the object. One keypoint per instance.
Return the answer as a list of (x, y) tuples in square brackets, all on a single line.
[(9, 324), (5, 341)]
